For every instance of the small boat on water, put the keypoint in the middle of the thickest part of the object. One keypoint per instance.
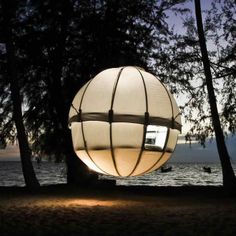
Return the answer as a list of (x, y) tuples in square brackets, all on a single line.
[(207, 169), (166, 169)]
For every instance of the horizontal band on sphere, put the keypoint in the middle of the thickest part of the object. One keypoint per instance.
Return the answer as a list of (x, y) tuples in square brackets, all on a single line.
[(126, 118)]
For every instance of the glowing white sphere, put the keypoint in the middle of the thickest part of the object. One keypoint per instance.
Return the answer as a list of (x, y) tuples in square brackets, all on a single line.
[(124, 122)]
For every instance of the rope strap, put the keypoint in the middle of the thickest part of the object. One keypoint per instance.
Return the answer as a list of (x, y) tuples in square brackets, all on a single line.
[(126, 118)]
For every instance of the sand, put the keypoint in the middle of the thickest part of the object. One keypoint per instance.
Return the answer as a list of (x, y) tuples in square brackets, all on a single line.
[(63, 210)]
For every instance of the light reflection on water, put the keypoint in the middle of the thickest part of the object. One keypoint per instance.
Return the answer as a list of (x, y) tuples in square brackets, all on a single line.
[(181, 174)]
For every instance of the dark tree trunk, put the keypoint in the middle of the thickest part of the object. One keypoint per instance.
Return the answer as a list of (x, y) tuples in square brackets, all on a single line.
[(25, 153), (229, 180), (77, 172)]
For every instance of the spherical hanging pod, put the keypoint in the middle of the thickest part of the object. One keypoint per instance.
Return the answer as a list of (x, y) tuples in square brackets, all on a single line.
[(124, 122)]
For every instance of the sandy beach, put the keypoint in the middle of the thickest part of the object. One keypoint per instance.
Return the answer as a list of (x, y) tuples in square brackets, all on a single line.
[(63, 210)]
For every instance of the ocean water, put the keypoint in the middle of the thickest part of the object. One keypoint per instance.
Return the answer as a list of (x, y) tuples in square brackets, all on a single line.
[(47, 173), (182, 174)]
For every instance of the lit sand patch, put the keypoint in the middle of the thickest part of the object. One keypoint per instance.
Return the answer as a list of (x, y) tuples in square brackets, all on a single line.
[(116, 214), (78, 203), (66, 202)]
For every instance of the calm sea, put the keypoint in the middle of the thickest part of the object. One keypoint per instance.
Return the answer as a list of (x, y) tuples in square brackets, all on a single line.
[(182, 174)]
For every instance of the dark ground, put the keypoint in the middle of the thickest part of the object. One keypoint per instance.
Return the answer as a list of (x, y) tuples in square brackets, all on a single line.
[(65, 210)]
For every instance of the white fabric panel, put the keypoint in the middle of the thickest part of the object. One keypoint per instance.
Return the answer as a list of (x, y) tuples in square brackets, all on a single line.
[(158, 100), (76, 101), (97, 134), (127, 134), (87, 161), (126, 159), (130, 95), (161, 162), (149, 158), (104, 161), (99, 92), (173, 136), (77, 137)]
